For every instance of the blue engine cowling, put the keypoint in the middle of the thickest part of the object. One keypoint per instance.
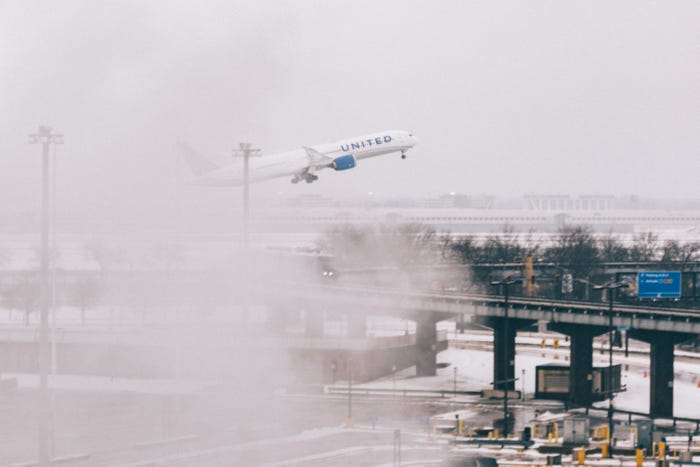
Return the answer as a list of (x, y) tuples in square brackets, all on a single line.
[(344, 162)]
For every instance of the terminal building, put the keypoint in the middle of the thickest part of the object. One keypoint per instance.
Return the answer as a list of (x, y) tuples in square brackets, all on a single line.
[(461, 214)]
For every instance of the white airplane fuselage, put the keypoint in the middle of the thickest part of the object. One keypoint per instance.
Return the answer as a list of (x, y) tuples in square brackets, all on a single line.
[(302, 163)]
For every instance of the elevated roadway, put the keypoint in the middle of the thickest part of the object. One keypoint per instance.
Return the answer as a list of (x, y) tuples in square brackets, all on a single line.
[(662, 328)]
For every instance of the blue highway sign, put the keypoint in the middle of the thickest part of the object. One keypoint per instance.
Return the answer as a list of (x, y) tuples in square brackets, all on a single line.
[(659, 284)]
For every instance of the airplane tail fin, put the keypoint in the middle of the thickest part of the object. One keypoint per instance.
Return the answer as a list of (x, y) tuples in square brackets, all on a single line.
[(198, 164)]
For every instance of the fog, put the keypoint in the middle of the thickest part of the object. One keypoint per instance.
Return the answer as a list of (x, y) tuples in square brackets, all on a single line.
[(503, 96), (188, 332)]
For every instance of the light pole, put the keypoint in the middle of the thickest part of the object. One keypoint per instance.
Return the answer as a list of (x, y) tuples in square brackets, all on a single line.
[(454, 383), (610, 287), (349, 391), (246, 151), (45, 137), (506, 282)]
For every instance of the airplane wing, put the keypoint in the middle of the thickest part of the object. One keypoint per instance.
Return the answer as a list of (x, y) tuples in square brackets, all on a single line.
[(317, 160)]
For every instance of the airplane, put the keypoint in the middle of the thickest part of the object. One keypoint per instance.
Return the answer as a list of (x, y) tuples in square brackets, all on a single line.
[(300, 164)]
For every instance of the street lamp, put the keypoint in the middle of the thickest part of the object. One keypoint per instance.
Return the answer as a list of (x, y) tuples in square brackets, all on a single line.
[(506, 282), (454, 383), (349, 362), (246, 151), (610, 286), (46, 137)]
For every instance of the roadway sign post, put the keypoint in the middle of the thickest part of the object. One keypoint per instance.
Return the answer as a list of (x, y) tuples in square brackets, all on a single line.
[(659, 284)]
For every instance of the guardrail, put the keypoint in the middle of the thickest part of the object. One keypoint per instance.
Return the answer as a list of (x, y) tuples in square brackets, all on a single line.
[(442, 393), (455, 302), (495, 300), (631, 413)]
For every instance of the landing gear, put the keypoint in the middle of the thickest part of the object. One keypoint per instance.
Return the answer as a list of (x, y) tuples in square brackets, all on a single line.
[(307, 177), (403, 154)]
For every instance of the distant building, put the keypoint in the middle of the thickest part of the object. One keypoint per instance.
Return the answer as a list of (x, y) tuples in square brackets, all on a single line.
[(566, 203)]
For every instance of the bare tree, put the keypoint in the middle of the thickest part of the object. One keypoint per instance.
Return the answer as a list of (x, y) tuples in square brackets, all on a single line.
[(679, 253), (24, 294), (396, 245), (611, 249), (505, 247), (85, 292), (107, 258), (574, 248), (466, 249), (645, 247)]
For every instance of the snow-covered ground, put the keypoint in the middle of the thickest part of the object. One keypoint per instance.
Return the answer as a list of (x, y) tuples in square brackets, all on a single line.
[(475, 372), (474, 365)]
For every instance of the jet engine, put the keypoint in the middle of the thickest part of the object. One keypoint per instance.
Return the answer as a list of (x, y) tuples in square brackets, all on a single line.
[(344, 162)]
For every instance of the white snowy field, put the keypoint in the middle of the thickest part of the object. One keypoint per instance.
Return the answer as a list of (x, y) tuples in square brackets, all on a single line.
[(475, 372)]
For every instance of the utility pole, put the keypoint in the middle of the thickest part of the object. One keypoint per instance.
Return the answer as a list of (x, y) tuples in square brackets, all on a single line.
[(454, 383), (506, 285), (611, 336), (45, 137), (349, 373), (246, 151), (505, 381), (54, 257), (610, 288)]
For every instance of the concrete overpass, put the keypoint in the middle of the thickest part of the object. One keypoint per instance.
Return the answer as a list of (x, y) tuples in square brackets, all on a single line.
[(582, 321)]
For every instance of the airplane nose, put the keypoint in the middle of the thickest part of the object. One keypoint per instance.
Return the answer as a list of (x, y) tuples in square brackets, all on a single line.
[(415, 140)]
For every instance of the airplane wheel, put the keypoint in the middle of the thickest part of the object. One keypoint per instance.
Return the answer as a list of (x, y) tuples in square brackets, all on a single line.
[(403, 156)]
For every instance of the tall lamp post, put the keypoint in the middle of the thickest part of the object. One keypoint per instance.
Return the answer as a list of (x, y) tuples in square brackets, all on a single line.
[(506, 282), (610, 286), (45, 137), (246, 151), (349, 371)]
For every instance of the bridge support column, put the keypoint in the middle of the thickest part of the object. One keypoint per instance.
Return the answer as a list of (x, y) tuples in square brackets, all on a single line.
[(504, 357), (426, 345), (661, 378), (357, 325), (504, 348), (661, 369), (313, 323), (581, 360)]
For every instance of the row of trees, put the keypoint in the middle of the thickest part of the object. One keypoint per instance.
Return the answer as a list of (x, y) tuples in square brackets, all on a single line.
[(406, 248), (574, 247), (573, 250), (23, 292), (90, 286)]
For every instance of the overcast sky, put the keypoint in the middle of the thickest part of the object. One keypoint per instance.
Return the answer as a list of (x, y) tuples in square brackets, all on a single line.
[(506, 97)]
